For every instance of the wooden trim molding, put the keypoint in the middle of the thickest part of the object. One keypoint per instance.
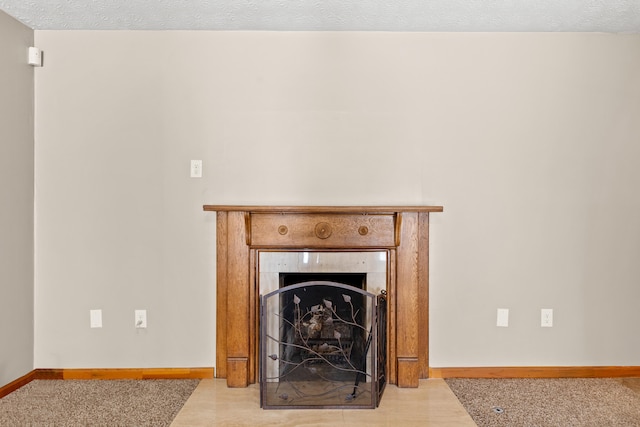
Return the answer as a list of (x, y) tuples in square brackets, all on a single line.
[(126, 373), (108, 374), (242, 231), (16, 384), (207, 373), (537, 372)]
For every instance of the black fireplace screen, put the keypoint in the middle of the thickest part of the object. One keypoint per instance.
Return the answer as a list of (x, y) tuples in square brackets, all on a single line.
[(320, 347)]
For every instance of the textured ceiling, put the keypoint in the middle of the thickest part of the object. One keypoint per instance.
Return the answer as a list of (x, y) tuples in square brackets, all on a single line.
[(329, 15)]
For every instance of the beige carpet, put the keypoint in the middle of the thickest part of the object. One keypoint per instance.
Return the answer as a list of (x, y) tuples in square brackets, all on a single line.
[(565, 402), (95, 403)]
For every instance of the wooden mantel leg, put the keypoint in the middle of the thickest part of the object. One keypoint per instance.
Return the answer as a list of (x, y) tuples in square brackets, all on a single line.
[(407, 311), (423, 290), (236, 283)]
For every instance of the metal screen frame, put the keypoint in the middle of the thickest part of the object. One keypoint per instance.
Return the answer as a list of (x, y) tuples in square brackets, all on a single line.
[(277, 391)]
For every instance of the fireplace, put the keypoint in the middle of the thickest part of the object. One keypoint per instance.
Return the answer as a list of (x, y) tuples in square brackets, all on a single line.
[(245, 235)]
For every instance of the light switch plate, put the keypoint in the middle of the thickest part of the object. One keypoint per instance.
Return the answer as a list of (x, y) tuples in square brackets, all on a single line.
[(96, 318), (141, 318), (503, 317)]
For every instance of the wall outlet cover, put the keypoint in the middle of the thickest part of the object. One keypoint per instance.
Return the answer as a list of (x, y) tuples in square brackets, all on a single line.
[(196, 168), (546, 317)]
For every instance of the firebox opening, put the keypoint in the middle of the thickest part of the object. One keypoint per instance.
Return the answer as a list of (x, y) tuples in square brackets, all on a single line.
[(322, 328), (322, 308), (319, 346)]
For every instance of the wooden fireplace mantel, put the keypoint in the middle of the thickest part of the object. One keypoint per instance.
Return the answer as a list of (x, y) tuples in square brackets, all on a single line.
[(244, 230)]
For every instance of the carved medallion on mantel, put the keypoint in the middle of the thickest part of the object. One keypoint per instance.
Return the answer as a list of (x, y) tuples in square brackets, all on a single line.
[(242, 231)]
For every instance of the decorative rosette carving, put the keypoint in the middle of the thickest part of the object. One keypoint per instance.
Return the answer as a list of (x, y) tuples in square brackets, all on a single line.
[(323, 230)]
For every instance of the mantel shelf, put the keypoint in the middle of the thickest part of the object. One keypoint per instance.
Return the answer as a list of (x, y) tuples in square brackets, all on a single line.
[(321, 209)]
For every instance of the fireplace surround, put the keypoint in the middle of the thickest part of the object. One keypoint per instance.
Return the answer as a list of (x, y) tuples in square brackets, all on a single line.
[(244, 232)]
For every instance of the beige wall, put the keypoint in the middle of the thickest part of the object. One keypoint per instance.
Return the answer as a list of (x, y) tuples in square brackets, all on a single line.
[(16, 195), (530, 141)]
